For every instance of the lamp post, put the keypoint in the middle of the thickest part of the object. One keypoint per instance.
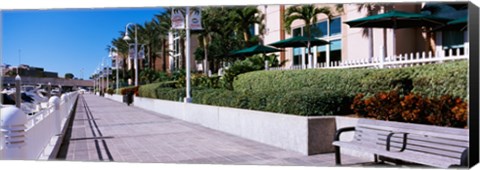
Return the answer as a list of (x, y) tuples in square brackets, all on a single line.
[(135, 62), (188, 99), (115, 56)]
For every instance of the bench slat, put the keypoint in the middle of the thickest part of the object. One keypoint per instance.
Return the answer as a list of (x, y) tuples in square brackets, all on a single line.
[(441, 132), (426, 159), (416, 139)]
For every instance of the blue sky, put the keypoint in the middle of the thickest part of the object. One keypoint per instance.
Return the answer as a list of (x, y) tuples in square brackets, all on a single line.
[(67, 40)]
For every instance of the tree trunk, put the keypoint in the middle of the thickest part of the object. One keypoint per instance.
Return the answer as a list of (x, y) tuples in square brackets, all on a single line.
[(182, 54), (164, 55), (247, 38), (205, 62)]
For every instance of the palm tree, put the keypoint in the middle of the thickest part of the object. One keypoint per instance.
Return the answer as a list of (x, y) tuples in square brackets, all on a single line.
[(164, 27), (244, 18), (307, 14), (122, 51)]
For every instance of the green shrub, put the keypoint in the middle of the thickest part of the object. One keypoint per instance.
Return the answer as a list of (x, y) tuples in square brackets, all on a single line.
[(429, 80), (149, 90), (201, 80), (442, 79), (110, 91)]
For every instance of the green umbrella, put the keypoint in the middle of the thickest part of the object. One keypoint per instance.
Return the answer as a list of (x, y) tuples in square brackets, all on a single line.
[(256, 49), (298, 41), (455, 25), (397, 19)]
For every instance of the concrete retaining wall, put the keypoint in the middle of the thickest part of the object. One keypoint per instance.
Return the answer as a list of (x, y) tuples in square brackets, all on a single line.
[(307, 135)]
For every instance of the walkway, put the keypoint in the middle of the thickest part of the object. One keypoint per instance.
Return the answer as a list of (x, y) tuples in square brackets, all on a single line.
[(105, 130)]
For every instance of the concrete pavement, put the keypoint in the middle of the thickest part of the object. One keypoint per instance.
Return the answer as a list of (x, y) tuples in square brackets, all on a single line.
[(105, 130)]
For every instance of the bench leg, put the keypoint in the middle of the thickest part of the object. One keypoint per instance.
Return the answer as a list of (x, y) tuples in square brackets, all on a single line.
[(375, 157), (337, 156)]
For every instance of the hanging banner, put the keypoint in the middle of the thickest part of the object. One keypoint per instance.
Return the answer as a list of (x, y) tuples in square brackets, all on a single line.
[(131, 51), (178, 20), (196, 19), (141, 53)]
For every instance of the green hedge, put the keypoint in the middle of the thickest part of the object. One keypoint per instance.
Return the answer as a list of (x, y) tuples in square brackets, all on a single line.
[(148, 90), (429, 80), (321, 91)]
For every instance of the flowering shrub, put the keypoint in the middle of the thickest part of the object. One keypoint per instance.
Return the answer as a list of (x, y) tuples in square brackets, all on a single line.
[(127, 90), (412, 108)]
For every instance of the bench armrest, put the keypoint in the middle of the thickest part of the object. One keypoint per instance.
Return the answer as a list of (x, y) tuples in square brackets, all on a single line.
[(340, 131), (404, 144)]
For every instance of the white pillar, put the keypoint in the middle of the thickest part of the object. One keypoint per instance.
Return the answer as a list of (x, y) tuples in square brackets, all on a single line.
[(438, 43), (327, 54), (303, 58), (13, 122), (466, 44), (381, 56), (315, 56), (266, 64)]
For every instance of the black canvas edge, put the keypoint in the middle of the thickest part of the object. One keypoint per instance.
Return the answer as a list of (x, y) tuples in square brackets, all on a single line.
[(474, 107)]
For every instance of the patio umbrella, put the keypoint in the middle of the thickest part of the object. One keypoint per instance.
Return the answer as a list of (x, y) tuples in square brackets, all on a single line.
[(397, 19), (256, 49), (459, 24), (298, 41)]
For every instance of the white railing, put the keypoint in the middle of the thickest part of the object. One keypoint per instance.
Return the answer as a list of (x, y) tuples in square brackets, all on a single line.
[(28, 137), (403, 60), (293, 67)]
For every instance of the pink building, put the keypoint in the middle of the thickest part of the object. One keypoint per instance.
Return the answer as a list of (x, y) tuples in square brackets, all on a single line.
[(347, 44)]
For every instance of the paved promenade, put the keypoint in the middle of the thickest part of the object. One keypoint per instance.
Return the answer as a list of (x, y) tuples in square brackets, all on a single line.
[(105, 130)]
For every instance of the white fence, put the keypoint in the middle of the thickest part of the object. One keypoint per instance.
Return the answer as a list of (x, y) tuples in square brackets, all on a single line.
[(403, 60), (35, 137)]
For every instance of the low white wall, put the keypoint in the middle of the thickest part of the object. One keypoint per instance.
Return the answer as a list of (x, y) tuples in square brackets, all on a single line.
[(281, 130), (115, 97)]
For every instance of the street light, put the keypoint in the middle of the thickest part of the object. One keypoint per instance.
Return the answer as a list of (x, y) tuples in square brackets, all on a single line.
[(135, 62), (112, 55)]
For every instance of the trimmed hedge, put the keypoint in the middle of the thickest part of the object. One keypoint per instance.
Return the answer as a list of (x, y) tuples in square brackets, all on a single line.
[(148, 90), (322, 91), (430, 80)]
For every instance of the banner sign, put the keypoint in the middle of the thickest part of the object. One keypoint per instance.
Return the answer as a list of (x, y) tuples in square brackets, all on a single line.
[(141, 53), (196, 19), (178, 20), (131, 51)]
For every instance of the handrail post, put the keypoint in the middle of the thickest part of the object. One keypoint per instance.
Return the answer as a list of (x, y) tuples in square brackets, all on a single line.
[(55, 102), (13, 134), (18, 91)]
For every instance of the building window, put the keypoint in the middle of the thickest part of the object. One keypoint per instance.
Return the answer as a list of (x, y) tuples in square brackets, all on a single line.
[(322, 29), (335, 26), (319, 30), (297, 32), (251, 29)]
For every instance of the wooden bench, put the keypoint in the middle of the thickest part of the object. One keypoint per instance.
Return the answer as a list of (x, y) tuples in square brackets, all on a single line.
[(435, 146)]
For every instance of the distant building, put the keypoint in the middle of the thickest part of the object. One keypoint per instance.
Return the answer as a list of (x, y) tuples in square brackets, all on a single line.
[(27, 71)]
